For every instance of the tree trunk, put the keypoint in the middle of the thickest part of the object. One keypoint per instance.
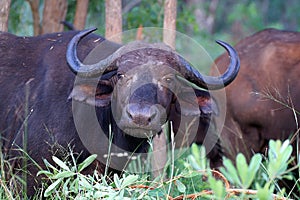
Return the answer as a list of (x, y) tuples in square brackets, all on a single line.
[(113, 20), (205, 19), (34, 5), (4, 13), (211, 17), (170, 11), (54, 12), (80, 14)]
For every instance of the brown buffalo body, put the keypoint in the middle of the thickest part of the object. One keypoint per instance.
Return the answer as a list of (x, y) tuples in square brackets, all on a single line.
[(263, 102)]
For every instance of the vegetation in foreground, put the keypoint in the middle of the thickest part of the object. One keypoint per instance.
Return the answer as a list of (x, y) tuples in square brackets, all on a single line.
[(188, 178)]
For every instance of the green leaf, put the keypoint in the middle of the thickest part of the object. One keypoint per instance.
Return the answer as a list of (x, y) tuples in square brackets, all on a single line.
[(202, 160), (180, 186), (157, 192), (60, 163), (117, 181), (284, 145), (195, 150), (254, 165), (47, 164), (66, 186), (74, 185), (217, 186), (230, 172), (193, 162), (198, 157), (278, 160), (129, 180), (87, 162), (83, 182), (286, 154), (63, 174), (242, 168), (45, 172), (101, 194), (192, 174), (52, 187), (264, 193)]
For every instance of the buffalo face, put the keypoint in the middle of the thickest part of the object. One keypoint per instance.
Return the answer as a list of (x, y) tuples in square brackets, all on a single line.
[(146, 88), (141, 100)]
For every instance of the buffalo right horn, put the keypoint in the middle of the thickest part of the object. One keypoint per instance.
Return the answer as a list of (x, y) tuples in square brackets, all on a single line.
[(78, 67)]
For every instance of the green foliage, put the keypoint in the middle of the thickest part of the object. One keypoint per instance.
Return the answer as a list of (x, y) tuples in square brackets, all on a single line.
[(243, 174), (218, 187), (192, 176), (20, 18), (265, 192), (186, 20), (278, 159), (248, 15), (273, 169), (68, 178), (147, 14), (197, 158)]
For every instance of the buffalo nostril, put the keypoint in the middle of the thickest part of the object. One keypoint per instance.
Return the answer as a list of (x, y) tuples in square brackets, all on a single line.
[(141, 115), (153, 115), (129, 114)]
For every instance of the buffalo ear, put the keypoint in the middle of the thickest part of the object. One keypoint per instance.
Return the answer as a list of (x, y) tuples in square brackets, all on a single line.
[(206, 104), (89, 94)]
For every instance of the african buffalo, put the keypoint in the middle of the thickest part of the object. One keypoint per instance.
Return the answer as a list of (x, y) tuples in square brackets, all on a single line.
[(263, 101), (51, 100)]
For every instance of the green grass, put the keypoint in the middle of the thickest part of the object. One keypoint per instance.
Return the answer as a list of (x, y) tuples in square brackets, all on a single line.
[(189, 176)]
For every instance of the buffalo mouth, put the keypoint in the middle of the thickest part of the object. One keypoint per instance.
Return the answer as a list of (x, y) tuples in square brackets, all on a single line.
[(138, 131), (141, 121)]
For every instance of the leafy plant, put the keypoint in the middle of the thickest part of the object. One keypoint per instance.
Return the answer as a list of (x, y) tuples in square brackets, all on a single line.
[(278, 159), (243, 174), (258, 175), (197, 157), (192, 178), (69, 179)]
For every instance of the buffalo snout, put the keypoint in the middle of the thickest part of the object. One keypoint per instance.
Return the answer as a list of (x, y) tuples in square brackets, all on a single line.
[(143, 121), (142, 115)]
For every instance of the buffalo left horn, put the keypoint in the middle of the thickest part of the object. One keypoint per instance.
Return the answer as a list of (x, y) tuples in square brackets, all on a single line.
[(212, 82)]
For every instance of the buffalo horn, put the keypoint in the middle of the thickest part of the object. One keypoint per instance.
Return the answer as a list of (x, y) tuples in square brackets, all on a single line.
[(191, 74), (212, 82), (84, 70)]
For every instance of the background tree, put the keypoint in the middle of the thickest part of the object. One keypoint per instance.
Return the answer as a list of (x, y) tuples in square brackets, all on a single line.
[(205, 13), (231, 20), (54, 12), (4, 13), (81, 14), (34, 5), (170, 12), (113, 19)]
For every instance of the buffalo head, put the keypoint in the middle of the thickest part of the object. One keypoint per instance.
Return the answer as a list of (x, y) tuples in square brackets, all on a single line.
[(141, 82)]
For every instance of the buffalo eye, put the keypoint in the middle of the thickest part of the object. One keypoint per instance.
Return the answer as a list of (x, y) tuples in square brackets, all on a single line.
[(168, 79), (120, 76)]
